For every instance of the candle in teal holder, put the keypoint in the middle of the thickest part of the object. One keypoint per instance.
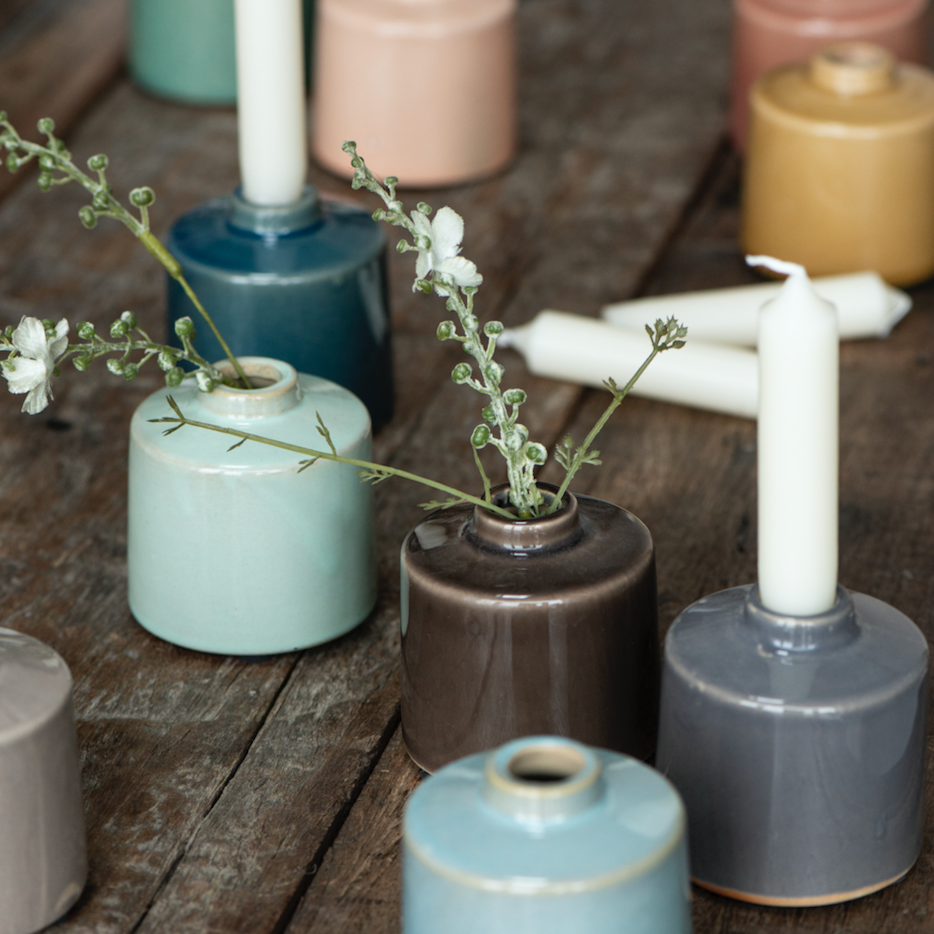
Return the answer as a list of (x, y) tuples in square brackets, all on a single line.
[(284, 272)]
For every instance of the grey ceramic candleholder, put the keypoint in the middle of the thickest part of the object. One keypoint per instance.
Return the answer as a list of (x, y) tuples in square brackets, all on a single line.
[(43, 862), (797, 744)]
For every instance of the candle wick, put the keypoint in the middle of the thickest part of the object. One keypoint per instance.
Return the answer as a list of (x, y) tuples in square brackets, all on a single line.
[(776, 265)]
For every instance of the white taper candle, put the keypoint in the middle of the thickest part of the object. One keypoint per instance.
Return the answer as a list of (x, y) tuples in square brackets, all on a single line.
[(798, 459), (866, 307), (587, 350), (271, 100)]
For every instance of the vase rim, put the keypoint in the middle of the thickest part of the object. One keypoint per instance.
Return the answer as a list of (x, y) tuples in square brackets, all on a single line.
[(281, 393), (536, 534)]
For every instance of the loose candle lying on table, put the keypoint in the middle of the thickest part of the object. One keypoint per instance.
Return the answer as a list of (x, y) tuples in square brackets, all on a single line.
[(866, 307), (588, 351), (271, 100), (797, 441)]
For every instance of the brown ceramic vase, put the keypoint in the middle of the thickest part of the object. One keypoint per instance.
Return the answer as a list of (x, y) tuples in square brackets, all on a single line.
[(529, 627)]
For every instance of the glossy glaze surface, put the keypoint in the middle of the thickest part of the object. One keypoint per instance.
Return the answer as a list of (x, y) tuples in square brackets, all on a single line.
[(545, 835), (43, 861), (797, 744), (467, 47), (305, 284), (519, 628), (839, 175), (233, 551)]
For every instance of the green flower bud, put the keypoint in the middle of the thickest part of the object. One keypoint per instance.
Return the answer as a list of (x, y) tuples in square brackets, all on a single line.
[(489, 416), (46, 125), (480, 436), (118, 329), (423, 208), (497, 372), (85, 330), (44, 181), (81, 363), (423, 285), (516, 438), (471, 323), (461, 373), (514, 396), (348, 145), (115, 366), (88, 217), (49, 326), (130, 371), (101, 200), (129, 319), (205, 383), (142, 197), (185, 327), (12, 162), (536, 453), (174, 377), (98, 163), (166, 361), (390, 180), (46, 161), (493, 328), (446, 330)]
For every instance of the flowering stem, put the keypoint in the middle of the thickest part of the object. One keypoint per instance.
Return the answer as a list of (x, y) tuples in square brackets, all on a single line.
[(369, 471), (55, 157)]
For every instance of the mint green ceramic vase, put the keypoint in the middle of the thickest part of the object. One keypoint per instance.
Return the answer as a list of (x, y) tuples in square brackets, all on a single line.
[(235, 551)]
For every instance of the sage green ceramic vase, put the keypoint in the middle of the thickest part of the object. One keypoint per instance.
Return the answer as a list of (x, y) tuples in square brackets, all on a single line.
[(235, 551)]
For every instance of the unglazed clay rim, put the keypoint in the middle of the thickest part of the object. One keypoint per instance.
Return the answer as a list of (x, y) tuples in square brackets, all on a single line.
[(283, 394), (805, 901)]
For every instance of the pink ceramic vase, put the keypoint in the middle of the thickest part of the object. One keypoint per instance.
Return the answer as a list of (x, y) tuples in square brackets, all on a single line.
[(425, 87)]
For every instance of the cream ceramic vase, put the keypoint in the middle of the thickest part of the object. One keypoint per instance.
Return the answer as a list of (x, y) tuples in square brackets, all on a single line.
[(235, 551)]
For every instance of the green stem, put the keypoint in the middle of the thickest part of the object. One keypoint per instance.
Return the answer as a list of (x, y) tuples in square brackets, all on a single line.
[(337, 458), (618, 397), (174, 269)]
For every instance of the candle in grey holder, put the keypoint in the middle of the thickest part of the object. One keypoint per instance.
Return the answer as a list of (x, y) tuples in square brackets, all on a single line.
[(43, 861), (797, 744)]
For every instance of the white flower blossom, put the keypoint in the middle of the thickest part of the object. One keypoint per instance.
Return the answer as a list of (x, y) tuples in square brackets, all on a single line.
[(31, 371), (445, 233)]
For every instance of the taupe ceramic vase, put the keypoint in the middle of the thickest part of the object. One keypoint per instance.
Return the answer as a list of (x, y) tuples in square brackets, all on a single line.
[(529, 627)]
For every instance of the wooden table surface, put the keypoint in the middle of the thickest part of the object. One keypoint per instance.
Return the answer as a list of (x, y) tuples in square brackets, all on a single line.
[(228, 796)]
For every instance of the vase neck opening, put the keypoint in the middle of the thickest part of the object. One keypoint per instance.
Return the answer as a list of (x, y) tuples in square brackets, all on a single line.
[(542, 779), (525, 536), (853, 69), (275, 389)]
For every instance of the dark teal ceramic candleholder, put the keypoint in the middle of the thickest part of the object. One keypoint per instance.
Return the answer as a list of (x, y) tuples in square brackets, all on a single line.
[(797, 744), (304, 283)]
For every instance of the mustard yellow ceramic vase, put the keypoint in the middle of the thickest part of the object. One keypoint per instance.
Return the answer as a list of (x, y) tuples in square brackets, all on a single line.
[(840, 169)]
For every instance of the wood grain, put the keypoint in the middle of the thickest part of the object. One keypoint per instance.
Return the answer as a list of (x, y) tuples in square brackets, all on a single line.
[(226, 795)]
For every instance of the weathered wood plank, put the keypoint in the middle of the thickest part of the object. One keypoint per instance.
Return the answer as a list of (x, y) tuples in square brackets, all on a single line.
[(62, 66), (356, 890)]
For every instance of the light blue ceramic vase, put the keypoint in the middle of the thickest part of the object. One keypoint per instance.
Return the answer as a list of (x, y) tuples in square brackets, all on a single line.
[(545, 835), (236, 552)]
